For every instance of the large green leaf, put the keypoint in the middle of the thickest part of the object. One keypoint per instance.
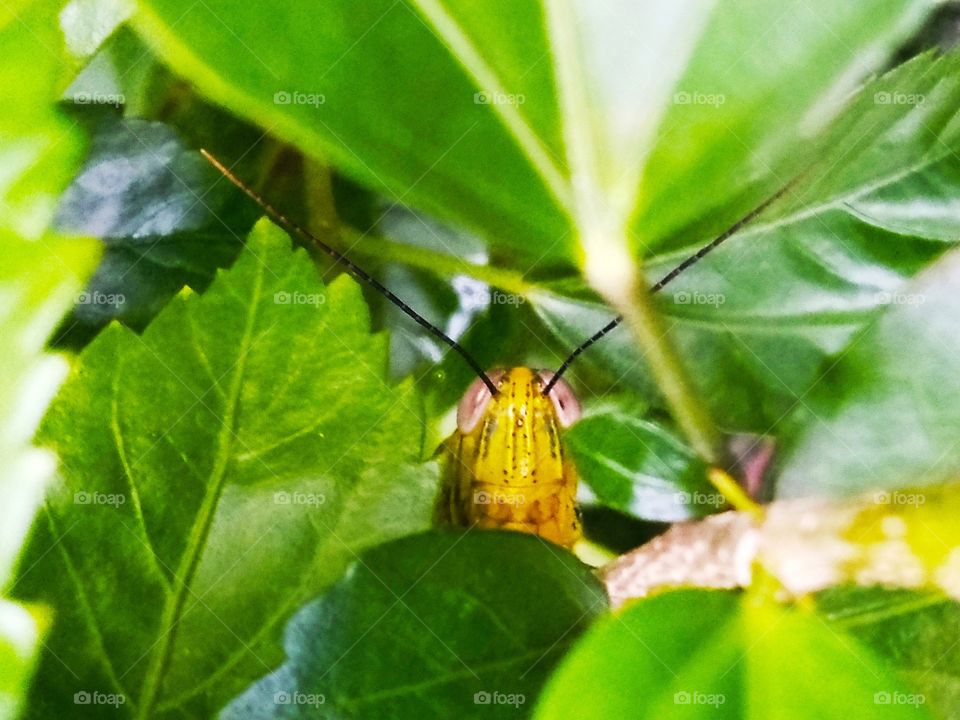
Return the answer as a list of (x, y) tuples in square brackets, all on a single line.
[(217, 471), (422, 138), (523, 97), (883, 415), (759, 315), (437, 625), (703, 654)]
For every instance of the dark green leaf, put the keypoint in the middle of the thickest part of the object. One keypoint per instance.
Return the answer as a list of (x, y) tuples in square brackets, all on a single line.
[(166, 216), (437, 625), (638, 466)]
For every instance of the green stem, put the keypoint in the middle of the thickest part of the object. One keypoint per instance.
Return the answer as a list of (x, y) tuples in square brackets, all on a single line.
[(668, 370), (380, 248), (376, 248)]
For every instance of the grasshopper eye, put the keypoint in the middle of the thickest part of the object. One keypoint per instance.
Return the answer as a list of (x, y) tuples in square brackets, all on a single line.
[(563, 399), (474, 402)]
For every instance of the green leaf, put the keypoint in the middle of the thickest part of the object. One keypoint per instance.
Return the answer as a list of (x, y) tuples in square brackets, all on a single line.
[(878, 417), (762, 84), (87, 24), (456, 160), (39, 277), (165, 215), (459, 607), (217, 471), (640, 467), (702, 654), (758, 316), (21, 631), (918, 633), (123, 72), (39, 147), (522, 96)]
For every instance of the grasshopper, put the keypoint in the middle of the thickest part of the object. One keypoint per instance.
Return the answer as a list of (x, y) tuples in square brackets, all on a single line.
[(505, 464)]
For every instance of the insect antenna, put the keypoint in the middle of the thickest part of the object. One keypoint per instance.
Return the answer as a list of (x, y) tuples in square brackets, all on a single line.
[(670, 276), (354, 269)]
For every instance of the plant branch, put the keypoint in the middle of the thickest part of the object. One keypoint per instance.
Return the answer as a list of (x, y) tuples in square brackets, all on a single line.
[(668, 370)]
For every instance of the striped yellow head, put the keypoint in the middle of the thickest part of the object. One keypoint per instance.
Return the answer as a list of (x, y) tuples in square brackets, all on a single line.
[(506, 462)]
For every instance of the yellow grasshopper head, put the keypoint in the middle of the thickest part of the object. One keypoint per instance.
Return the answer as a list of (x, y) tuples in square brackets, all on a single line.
[(507, 465)]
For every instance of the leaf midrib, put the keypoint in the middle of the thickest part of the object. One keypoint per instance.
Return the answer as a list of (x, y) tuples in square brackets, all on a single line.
[(199, 532), (471, 60)]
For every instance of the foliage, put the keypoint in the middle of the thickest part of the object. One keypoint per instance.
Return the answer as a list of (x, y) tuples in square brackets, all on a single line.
[(239, 520)]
